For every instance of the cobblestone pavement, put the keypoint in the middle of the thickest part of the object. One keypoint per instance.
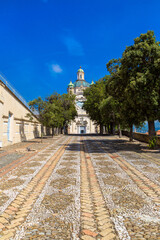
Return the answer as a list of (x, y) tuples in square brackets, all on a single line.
[(80, 187)]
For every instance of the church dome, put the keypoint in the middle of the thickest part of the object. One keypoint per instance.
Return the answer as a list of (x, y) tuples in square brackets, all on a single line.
[(81, 83), (80, 70), (70, 84)]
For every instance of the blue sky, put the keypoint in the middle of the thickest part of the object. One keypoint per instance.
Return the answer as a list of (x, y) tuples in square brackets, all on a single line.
[(43, 42)]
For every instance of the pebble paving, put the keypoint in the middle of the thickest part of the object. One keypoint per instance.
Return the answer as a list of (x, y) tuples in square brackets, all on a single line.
[(80, 187)]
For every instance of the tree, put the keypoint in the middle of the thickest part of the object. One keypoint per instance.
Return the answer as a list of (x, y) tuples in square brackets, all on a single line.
[(37, 106), (126, 109), (140, 65), (56, 111), (69, 109), (94, 95), (110, 106), (53, 112)]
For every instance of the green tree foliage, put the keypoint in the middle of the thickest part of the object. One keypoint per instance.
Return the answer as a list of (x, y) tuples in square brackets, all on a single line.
[(53, 112), (94, 96), (37, 106), (126, 108), (69, 109), (56, 111), (140, 72), (114, 93), (134, 83), (108, 108)]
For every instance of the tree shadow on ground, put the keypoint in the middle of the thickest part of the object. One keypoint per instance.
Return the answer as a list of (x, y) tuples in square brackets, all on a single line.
[(112, 144)]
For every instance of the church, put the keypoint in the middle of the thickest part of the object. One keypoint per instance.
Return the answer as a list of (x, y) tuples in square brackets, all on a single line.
[(82, 123)]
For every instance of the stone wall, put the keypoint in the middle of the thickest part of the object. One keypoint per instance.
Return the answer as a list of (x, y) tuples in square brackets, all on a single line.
[(142, 137), (15, 124)]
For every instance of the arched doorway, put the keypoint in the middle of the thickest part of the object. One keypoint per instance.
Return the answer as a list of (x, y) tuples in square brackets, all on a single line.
[(82, 129)]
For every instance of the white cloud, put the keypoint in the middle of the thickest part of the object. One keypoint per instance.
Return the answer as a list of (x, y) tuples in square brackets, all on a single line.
[(56, 68), (73, 46)]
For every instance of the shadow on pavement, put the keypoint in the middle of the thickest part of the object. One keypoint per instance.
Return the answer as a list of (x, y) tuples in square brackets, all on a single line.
[(112, 144)]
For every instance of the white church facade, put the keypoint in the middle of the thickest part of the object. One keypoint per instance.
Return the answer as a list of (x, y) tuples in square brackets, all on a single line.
[(82, 123)]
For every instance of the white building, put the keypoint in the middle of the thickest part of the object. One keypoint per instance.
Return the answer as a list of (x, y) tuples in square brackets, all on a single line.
[(82, 123)]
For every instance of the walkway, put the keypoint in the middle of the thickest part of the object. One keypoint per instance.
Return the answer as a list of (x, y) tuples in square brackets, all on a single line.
[(80, 187)]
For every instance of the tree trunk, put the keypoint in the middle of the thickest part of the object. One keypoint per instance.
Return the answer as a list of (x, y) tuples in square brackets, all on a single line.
[(151, 129), (52, 131), (108, 128), (113, 128), (131, 134), (105, 129), (66, 130), (101, 129), (119, 131), (41, 133)]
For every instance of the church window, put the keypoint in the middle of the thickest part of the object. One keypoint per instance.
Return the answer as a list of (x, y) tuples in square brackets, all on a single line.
[(80, 75)]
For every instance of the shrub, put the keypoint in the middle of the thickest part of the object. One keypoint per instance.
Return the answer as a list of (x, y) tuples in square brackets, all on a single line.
[(153, 142)]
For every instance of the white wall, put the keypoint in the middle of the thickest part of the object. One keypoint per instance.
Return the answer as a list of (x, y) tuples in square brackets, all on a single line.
[(21, 127)]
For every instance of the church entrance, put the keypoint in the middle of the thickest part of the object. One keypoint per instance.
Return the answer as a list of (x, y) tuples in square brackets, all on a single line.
[(82, 129)]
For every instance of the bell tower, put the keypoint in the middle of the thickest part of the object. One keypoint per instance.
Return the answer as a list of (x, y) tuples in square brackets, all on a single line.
[(80, 74), (70, 88)]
